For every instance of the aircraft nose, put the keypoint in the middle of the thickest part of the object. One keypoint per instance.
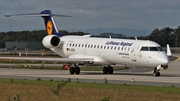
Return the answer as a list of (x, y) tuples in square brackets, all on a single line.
[(164, 61)]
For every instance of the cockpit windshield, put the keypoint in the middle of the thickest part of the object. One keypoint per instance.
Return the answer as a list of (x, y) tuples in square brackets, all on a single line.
[(151, 49)]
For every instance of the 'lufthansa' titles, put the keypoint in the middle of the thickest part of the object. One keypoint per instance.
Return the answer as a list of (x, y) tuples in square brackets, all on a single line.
[(118, 43)]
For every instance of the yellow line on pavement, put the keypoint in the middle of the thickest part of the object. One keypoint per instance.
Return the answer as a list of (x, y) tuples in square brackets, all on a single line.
[(177, 59)]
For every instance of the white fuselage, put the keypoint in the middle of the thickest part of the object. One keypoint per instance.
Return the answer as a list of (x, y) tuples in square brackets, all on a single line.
[(86, 50), (107, 51)]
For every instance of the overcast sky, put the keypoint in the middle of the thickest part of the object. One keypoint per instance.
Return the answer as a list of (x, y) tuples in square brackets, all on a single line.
[(87, 14)]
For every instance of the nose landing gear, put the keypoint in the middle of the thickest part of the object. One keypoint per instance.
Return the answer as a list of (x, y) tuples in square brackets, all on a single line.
[(156, 72)]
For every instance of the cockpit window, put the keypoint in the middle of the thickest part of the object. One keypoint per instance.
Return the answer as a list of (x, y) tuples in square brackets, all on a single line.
[(160, 49), (151, 49), (144, 49)]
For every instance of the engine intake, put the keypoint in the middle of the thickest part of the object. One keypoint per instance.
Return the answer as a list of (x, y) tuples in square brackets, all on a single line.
[(51, 41), (55, 41)]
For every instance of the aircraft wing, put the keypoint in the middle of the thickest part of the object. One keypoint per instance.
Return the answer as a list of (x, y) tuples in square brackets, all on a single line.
[(50, 59)]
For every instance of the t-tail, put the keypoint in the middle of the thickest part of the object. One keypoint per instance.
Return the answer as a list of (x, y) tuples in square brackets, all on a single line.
[(49, 23), (48, 20)]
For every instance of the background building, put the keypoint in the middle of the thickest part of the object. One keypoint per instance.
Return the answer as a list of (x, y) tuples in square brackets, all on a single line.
[(23, 45)]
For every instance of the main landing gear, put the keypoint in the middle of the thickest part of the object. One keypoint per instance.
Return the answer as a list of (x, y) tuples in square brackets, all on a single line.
[(108, 70), (156, 72), (75, 69)]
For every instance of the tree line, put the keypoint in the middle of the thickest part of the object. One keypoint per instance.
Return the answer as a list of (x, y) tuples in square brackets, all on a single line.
[(29, 36), (162, 36)]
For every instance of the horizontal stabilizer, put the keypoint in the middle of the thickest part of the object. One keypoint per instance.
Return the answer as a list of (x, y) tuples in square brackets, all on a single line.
[(37, 14), (47, 15)]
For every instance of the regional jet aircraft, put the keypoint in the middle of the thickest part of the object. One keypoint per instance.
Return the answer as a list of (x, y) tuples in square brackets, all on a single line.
[(87, 50)]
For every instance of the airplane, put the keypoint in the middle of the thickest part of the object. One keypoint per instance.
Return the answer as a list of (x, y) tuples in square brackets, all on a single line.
[(88, 50)]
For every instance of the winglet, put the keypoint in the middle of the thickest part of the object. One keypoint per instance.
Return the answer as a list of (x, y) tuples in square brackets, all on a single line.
[(168, 50), (135, 38)]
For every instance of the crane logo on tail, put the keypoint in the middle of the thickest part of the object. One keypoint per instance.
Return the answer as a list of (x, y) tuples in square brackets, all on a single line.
[(49, 27)]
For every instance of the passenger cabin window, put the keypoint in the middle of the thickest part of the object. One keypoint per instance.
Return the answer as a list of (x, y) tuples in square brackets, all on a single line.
[(91, 46), (101, 47)]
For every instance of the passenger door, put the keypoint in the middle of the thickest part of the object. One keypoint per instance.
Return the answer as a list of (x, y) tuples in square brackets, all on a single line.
[(133, 53)]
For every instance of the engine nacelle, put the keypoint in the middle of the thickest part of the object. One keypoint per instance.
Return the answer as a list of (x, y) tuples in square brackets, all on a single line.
[(51, 41)]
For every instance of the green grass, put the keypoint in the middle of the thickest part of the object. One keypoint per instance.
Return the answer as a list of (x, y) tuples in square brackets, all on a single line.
[(40, 90)]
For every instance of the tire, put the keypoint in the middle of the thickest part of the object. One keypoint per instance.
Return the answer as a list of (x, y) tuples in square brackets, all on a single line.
[(105, 70), (77, 70), (72, 70), (111, 70), (158, 74), (155, 72)]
